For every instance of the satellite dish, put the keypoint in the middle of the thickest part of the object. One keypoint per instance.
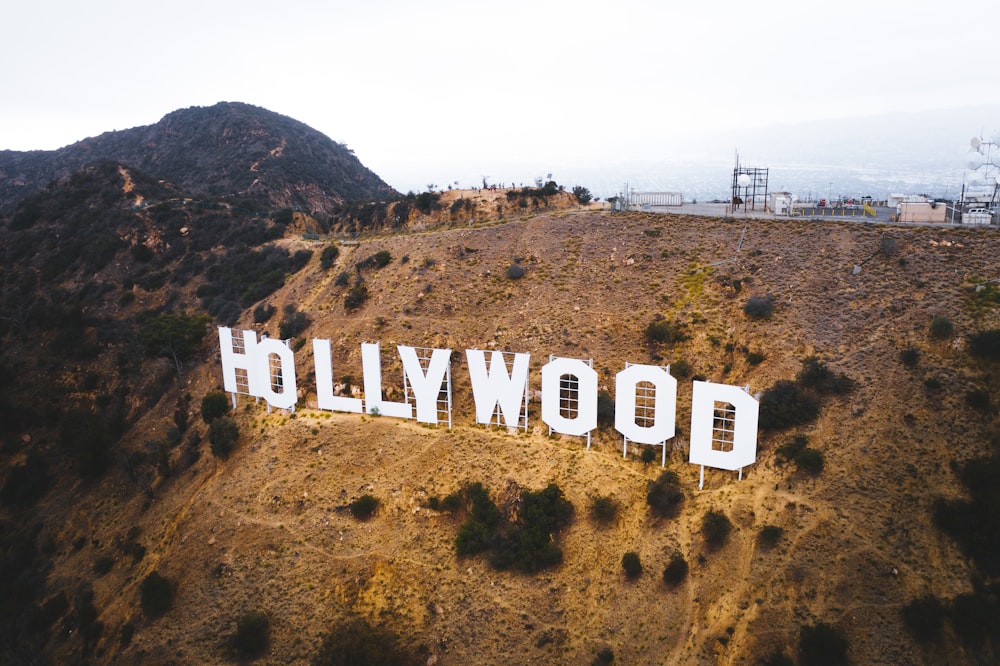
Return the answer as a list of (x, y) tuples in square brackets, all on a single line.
[(996, 138), (974, 142), (743, 180), (974, 160)]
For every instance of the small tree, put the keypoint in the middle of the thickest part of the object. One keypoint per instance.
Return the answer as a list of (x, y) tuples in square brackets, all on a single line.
[(663, 331), (941, 327), (582, 195), (909, 357), (364, 507), (328, 256), (222, 435), (292, 323), (715, 527), (759, 307), (253, 635), (664, 496), (822, 645), (769, 536), (603, 509), (176, 337), (214, 405), (631, 564), (676, 570), (924, 618), (156, 594)]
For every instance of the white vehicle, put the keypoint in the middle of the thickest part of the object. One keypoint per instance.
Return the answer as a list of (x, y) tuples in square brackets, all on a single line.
[(977, 216)]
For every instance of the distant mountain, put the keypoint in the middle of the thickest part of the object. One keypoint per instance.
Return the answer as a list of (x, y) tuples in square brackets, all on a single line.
[(231, 150)]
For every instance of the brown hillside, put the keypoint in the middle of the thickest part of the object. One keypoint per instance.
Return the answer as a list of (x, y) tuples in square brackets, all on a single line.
[(267, 529)]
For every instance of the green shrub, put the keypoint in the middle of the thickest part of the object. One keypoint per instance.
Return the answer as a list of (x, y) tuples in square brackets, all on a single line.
[(526, 543), (222, 436), (664, 496), (975, 522), (356, 642), (909, 357), (785, 405), (364, 507), (515, 272), (214, 405), (680, 369), (582, 194), (759, 307), (985, 344), (253, 635), (328, 256), (603, 509), (648, 454), (810, 461), (292, 323), (978, 399), (818, 377), (342, 279), (156, 594), (676, 570), (941, 327), (822, 645), (662, 331), (603, 657), (924, 618), (806, 459), (715, 527), (769, 536), (631, 564), (755, 358), (356, 297)]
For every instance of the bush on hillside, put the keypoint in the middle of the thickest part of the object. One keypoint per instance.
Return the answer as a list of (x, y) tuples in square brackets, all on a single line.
[(156, 594), (222, 436), (253, 635), (328, 256), (715, 528), (676, 570), (664, 495), (214, 405), (631, 565), (785, 405), (822, 645), (603, 509), (941, 327), (759, 307), (364, 507)]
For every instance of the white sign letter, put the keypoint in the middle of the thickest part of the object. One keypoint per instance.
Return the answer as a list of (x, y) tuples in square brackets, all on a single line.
[(665, 404), (580, 399), (425, 387), (371, 368), (723, 426), (495, 387), (324, 382), (285, 375)]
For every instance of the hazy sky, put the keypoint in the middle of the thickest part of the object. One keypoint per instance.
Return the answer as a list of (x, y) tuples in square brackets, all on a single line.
[(418, 86)]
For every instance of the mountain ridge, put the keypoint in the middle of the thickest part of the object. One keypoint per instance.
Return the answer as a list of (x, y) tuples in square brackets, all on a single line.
[(230, 149)]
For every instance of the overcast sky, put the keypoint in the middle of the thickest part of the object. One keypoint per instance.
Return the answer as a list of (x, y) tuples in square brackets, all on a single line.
[(504, 86)]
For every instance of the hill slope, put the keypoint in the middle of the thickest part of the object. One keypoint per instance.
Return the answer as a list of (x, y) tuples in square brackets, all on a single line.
[(269, 528), (229, 150)]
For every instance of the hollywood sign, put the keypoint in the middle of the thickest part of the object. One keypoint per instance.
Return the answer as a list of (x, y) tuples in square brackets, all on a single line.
[(723, 431)]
